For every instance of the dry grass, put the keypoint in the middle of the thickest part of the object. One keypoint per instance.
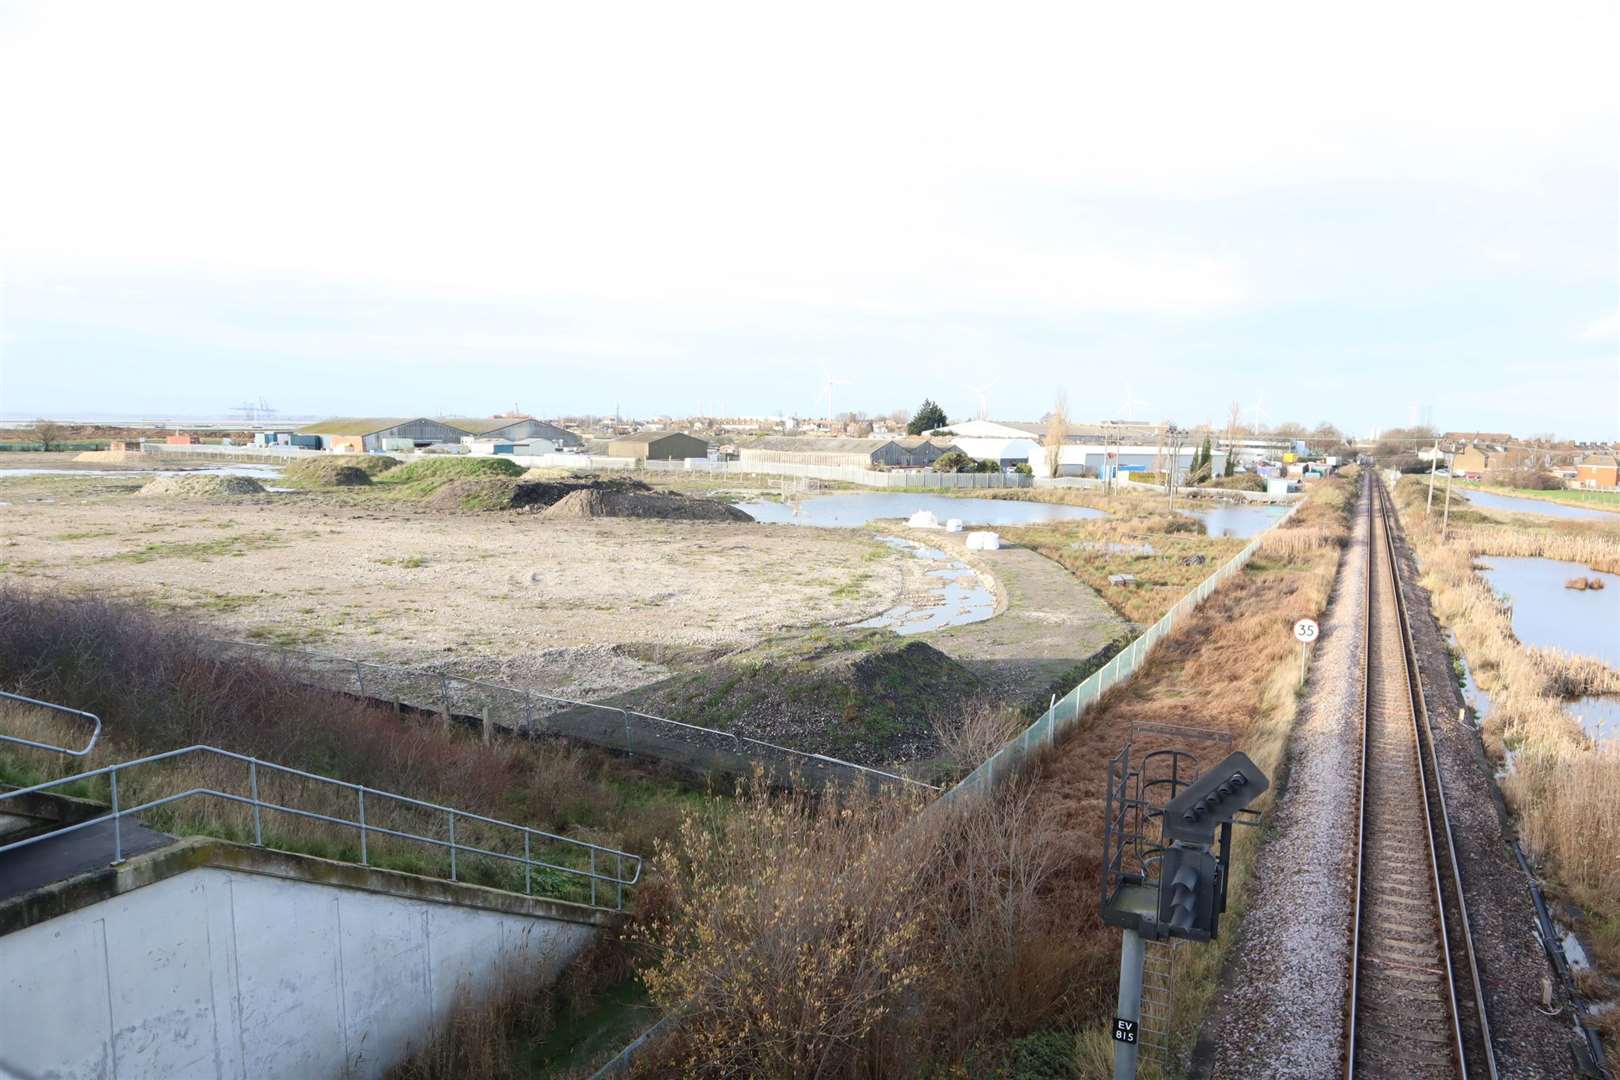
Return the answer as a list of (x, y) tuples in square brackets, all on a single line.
[(848, 937), (970, 735)]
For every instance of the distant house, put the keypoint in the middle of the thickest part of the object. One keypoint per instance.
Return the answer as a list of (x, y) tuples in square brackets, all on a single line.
[(1597, 471), (361, 435), (910, 453), (1478, 460), (658, 446), (182, 439), (515, 429)]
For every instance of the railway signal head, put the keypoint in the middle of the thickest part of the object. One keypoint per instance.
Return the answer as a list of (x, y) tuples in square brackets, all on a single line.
[(1213, 799), (1189, 882)]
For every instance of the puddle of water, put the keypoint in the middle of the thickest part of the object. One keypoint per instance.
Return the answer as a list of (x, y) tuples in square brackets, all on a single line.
[(854, 510), (1599, 716), (1573, 950), (1547, 614), (960, 598), (1241, 522), (1490, 500), (260, 472)]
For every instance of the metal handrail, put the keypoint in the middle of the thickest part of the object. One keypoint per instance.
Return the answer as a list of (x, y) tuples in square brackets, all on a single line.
[(20, 741), (617, 880), (360, 666)]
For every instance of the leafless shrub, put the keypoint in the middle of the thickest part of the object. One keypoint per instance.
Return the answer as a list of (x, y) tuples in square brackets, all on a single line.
[(978, 730)]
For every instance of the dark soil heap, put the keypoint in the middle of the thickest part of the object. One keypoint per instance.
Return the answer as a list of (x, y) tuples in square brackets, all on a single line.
[(869, 697)]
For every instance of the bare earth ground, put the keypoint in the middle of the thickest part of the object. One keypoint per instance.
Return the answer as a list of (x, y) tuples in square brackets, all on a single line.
[(1047, 620), (544, 600)]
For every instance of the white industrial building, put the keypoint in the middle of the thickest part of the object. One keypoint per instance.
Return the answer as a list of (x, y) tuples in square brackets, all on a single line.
[(1075, 459)]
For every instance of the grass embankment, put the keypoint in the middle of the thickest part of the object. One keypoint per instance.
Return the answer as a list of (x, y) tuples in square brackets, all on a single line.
[(1166, 554), (1563, 789), (846, 937), (1601, 500)]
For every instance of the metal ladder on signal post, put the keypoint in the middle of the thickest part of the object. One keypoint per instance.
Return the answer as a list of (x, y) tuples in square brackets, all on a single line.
[(1158, 998)]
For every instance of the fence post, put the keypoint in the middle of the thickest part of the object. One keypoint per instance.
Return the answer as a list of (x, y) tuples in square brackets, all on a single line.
[(253, 788), (444, 690), (488, 730), (626, 716), (528, 713), (364, 859), (118, 821), (360, 678)]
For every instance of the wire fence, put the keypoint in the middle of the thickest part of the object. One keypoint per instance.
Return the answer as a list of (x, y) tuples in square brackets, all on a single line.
[(498, 709), (1066, 712)]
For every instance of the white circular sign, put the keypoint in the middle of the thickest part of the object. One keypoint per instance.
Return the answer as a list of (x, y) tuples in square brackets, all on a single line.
[(1306, 631)]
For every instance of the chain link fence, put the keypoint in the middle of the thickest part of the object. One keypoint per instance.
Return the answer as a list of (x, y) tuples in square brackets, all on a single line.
[(506, 710), (1067, 710)]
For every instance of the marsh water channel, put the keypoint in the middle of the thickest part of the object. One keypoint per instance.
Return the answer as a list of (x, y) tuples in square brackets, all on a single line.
[(1241, 522), (1583, 621), (1490, 500)]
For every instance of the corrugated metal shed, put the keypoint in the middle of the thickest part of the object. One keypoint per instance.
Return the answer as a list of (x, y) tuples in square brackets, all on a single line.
[(658, 446)]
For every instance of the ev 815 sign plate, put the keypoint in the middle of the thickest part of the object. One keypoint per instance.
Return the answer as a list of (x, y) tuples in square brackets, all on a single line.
[(1124, 1030)]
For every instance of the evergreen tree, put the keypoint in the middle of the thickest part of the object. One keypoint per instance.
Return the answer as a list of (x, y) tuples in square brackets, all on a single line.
[(929, 417)]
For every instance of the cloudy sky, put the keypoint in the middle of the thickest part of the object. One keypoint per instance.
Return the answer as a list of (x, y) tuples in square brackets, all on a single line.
[(1347, 214)]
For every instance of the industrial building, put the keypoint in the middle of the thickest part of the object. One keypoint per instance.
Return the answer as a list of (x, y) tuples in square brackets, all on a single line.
[(855, 453), (515, 428), (658, 446), (1084, 460), (361, 435)]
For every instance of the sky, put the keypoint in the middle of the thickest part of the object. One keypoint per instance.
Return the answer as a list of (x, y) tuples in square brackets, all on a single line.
[(1362, 214)]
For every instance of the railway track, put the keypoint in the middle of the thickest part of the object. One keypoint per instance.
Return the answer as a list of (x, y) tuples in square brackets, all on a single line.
[(1415, 1005)]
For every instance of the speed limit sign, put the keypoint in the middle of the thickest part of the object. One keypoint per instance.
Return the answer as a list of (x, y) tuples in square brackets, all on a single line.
[(1306, 631)]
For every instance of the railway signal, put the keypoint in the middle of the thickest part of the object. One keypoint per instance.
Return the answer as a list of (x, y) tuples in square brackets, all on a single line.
[(1173, 884)]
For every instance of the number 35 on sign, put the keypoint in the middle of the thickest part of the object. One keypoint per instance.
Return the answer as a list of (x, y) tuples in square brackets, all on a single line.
[(1306, 631)]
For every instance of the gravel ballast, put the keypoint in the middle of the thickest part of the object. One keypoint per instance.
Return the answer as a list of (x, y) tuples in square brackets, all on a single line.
[(1281, 1007)]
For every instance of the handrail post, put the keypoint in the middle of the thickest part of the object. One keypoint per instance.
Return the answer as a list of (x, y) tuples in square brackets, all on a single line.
[(593, 877), (452, 845), (364, 860), (253, 789), (618, 884), (528, 865), (118, 820)]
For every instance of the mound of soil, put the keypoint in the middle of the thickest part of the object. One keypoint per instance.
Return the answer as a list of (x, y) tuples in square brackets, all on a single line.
[(508, 493), (329, 473), (595, 503), (202, 487), (870, 698)]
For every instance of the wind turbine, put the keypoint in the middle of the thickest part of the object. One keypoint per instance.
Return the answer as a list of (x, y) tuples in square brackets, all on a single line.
[(827, 387), (984, 401), (1131, 402), (1258, 411)]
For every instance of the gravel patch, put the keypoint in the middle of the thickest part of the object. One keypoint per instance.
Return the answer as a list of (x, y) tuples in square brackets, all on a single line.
[(1281, 1008)]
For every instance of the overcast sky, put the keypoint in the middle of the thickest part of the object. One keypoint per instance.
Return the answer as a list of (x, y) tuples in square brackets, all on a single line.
[(1347, 213)]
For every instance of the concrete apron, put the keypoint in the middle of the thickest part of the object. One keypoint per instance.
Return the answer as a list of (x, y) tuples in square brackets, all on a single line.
[(207, 958)]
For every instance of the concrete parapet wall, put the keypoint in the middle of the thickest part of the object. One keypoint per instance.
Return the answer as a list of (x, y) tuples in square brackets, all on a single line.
[(209, 959)]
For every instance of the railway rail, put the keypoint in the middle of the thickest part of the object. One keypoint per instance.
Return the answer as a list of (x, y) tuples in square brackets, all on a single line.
[(1415, 1006)]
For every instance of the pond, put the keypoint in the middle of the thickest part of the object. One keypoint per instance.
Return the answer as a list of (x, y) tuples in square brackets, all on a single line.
[(1549, 615), (956, 596), (1598, 716), (854, 510), (1239, 521), (1490, 500)]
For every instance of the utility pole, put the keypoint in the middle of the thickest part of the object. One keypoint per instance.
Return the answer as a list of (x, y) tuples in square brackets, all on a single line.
[(1434, 463), (1445, 525), (1178, 437)]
